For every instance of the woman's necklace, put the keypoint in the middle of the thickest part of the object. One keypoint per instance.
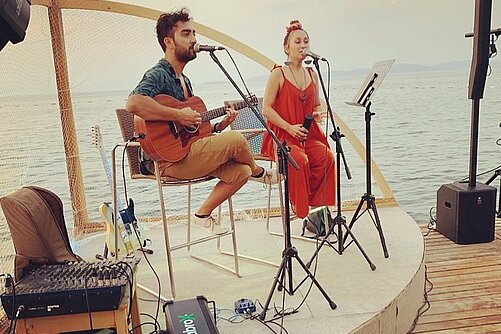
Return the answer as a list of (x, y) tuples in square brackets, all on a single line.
[(303, 97)]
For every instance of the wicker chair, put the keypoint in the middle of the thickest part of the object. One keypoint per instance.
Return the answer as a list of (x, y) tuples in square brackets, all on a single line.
[(126, 122)]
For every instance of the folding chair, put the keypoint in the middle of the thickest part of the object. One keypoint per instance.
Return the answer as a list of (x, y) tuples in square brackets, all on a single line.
[(126, 122)]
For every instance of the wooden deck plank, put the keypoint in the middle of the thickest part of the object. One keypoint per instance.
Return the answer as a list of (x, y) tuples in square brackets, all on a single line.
[(478, 289), (466, 294), (434, 318), (461, 324)]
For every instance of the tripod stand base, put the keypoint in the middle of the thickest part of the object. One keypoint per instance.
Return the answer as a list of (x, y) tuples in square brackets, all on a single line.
[(340, 222), (285, 272), (371, 207)]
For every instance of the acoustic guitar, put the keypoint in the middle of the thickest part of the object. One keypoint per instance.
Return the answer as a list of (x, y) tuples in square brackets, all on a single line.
[(169, 141)]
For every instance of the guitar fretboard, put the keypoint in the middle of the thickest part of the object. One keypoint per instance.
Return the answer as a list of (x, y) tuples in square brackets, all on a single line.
[(218, 112)]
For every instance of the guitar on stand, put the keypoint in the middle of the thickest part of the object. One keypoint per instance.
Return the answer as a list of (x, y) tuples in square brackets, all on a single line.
[(131, 233), (168, 141)]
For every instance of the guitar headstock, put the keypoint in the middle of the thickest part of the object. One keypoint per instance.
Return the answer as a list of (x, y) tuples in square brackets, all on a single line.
[(97, 139)]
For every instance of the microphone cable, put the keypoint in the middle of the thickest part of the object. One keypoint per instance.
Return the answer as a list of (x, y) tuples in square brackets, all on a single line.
[(238, 71), (10, 286), (157, 310)]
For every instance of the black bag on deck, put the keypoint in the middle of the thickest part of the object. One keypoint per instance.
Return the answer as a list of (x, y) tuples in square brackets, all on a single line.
[(36, 223), (315, 221)]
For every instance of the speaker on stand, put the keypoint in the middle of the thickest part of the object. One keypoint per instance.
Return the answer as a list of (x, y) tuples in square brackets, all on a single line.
[(466, 211)]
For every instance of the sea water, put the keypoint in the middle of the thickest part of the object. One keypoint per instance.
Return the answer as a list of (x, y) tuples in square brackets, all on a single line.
[(420, 140)]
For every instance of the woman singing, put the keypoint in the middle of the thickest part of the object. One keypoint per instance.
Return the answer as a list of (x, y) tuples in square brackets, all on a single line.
[(291, 94)]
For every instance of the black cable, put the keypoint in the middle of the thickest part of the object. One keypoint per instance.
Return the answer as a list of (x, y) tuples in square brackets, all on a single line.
[(158, 284), (12, 317), (147, 300), (123, 174), (283, 304), (143, 324), (426, 303), (130, 280), (486, 172), (281, 314), (87, 302), (157, 324), (253, 316), (432, 224), (157, 311), (19, 310), (238, 71)]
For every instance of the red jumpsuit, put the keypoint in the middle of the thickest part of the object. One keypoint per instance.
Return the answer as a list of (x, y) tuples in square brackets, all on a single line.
[(314, 184)]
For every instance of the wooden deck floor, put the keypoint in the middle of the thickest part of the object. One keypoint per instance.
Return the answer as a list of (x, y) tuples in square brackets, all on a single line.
[(466, 294)]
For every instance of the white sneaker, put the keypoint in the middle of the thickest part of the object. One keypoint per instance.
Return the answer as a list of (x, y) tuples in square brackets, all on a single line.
[(209, 224), (269, 177)]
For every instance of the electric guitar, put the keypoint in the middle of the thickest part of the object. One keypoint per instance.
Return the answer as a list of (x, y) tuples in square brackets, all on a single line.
[(131, 234), (169, 141)]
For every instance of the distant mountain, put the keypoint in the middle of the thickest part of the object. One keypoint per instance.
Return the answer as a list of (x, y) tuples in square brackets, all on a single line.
[(402, 68), (408, 68)]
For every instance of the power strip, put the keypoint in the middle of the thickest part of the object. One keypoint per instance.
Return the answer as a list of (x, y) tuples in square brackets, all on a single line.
[(244, 306)]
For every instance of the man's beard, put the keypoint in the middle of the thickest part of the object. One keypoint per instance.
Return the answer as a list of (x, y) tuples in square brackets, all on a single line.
[(185, 55)]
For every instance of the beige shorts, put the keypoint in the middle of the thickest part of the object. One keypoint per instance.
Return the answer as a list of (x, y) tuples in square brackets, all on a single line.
[(226, 156)]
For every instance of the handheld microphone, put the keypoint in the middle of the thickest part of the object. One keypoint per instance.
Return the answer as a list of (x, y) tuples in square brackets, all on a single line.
[(209, 48), (307, 121), (309, 53)]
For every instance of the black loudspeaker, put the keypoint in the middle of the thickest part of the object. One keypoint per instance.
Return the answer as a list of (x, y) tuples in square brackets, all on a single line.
[(480, 58), (14, 18), (466, 215)]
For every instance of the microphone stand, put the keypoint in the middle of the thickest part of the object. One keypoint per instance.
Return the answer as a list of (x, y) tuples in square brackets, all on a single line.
[(289, 251), (339, 220)]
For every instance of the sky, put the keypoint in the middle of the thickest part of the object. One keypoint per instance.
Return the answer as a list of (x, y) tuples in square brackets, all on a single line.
[(349, 33), (112, 53)]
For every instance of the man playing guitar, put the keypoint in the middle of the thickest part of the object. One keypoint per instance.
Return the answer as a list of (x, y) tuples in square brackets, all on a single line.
[(226, 156)]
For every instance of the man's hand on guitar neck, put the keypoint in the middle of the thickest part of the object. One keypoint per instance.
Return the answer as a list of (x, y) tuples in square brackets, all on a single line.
[(231, 115)]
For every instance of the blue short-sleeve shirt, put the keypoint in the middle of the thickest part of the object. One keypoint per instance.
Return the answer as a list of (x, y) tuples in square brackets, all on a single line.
[(161, 79)]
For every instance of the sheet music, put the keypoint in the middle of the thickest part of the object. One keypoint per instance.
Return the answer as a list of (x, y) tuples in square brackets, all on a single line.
[(371, 83)]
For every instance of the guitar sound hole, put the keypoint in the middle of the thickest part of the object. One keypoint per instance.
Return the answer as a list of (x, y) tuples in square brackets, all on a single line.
[(191, 129)]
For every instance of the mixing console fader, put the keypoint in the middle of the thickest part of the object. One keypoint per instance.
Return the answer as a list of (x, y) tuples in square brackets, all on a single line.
[(74, 287)]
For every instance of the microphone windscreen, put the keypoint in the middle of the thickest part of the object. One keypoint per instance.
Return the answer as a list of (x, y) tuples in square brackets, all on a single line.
[(307, 121)]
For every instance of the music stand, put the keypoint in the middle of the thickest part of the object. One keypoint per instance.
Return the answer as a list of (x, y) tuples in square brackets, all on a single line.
[(339, 220), (363, 99)]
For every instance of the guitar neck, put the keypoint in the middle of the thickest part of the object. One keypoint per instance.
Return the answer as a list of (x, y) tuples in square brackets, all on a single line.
[(107, 168), (218, 112)]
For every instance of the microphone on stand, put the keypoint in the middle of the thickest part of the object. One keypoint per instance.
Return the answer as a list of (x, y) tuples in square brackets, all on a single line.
[(209, 48), (309, 53)]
